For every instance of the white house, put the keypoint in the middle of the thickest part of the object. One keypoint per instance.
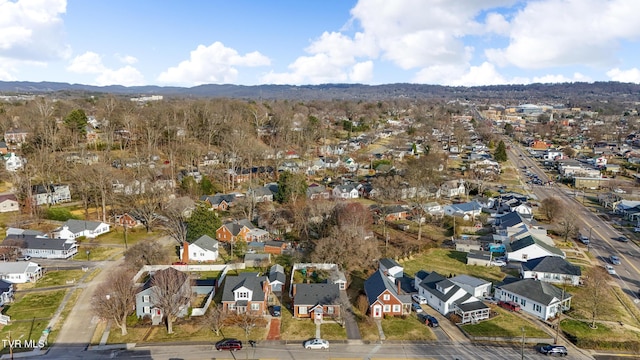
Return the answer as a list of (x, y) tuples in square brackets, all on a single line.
[(538, 298), (348, 191), (468, 210), (551, 269), (444, 296), (453, 188), (474, 286), (73, 229), (524, 210), (8, 203), (13, 162), (203, 249), (528, 248), (390, 267), (20, 272), (51, 194)]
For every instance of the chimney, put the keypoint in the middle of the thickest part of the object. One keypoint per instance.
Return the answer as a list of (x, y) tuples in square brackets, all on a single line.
[(399, 287), (185, 252), (294, 290)]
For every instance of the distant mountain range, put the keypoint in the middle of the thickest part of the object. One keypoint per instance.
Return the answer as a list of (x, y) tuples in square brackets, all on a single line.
[(526, 93)]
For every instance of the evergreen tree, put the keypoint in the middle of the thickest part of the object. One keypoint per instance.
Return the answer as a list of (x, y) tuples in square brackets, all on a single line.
[(501, 152), (290, 187), (203, 221)]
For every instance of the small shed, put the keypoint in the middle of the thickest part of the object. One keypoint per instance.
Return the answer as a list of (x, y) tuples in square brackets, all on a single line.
[(482, 258)]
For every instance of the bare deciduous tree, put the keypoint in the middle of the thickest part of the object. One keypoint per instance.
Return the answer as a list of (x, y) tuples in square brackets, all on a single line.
[(146, 253), (596, 292), (333, 249), (115, 299), (550, 207), (247, 322), (216, 318), (171, 294), (567, 227)]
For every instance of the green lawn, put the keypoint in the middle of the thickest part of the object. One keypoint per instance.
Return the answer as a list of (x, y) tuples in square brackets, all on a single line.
[(397, 328), (96, 253), (37, 304), (604, 336), (59, 277), (505, 324), (449, 262), (24, 330)]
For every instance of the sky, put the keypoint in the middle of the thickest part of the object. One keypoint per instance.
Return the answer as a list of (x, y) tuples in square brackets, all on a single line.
[(310, 42)]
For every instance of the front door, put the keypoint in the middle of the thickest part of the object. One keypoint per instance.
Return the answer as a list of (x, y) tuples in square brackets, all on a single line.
[(377, 311)]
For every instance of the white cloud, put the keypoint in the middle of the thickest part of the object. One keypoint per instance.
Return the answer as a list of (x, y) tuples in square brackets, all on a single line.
[(559, 78), (91, 63), (215, 63), (361, 72), (32, 30), (627, 76), (553, 33), (127, 59)]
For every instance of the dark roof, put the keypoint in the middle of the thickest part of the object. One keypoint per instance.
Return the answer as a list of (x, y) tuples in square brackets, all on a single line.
[(5, 197), (76, 226), (552, 264), (510, 219), (276, 273), (217, 199), (377, 283), (235, 226), (472, 306), (480, 255), (530, 240), (538, 291), (42, 243), (249, 280), (388, 263), (434, 280), (316, 294), (5, 286)]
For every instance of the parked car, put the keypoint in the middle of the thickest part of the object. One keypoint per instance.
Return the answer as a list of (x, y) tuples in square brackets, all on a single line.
[(583, 239), (431, 321), (615, 260), (497, 262), (24, 258), (509, 305), (416, 307), (554, 350), (229, 344), (419, 299), (179, 263), (316, 344), (610, 269), (275, 310)]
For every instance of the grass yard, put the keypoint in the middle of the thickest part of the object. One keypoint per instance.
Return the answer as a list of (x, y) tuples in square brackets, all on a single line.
[(63, 315), (116, 236), (97, 253), (505, 324), (59, 277), (24, 330), (35, 305), (296, 329), (445, 262), (615, 310), (397, 328), (604, 336)]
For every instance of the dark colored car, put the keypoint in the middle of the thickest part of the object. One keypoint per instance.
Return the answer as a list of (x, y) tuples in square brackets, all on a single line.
[(275, 311), (229, 344), (554, 350), (431, 321), (509, 305)]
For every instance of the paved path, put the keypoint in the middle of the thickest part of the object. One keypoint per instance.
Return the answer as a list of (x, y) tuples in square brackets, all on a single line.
[(353, 331), (274, 329)]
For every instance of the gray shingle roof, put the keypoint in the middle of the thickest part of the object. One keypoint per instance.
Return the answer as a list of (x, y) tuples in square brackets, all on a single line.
[(42, 243), (377, 283), (276, 273), (388, 263), (207, 243), (249, 280), (468, 280), (530, 240), (538, 291), (76, 226), (316, 294), (552, 264)]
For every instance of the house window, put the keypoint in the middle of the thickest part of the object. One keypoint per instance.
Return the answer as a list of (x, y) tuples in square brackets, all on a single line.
[(330, 310), (525, 256), (385, 297), (232, 307), (242, 295), (145, 298), (537, 308), (396, 308), (146, 310), (255, 306), (386, 308), (523, 302), (302, 310)]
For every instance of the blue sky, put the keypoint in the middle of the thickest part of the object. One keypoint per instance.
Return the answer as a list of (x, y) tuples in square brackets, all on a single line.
[(300, 42)]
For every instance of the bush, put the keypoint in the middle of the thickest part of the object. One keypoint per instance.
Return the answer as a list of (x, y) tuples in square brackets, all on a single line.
[(59, 214)]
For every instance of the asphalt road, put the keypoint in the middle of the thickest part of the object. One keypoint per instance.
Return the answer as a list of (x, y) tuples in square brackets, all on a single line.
[(344, 351), (603, 241)]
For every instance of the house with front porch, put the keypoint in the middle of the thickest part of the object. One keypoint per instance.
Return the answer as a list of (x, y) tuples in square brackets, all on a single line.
[(385, 296), (246, 293), (551, 269), (20, 272), (444, 296), (73, 229), (40, 246), (240, 230), (147, 295), (538, 298), (316, 301)]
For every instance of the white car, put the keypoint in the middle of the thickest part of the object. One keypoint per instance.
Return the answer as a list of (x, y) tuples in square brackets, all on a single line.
[(316, 344), (610, 269), (498, 263), (419, 299)]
